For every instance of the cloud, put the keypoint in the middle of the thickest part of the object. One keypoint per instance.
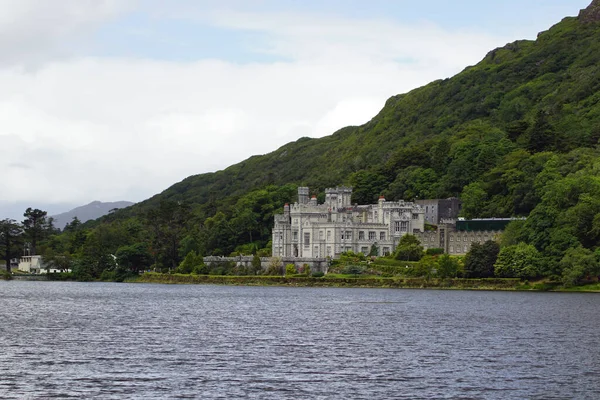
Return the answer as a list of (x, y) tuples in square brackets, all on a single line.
[(94, 128), (31, 31)]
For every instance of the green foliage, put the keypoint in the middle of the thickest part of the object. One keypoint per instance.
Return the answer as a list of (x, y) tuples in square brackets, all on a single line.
[(36, 226), (290, 269), (409, 249), (256, 265), (135, 257), (479, 261), (5, 275), (447, 267), (353, 269), (318, 274), (192, 263), (434, 252), (350, 256), (520, 261), (578, 265), (11, 240), (515, 135), (425, 267)]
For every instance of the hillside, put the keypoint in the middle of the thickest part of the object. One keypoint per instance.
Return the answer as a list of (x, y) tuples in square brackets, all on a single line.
[(501, 101), (515, 135), (94, 210)]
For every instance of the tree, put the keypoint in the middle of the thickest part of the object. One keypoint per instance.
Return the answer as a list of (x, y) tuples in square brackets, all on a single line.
[(35, 225), (480, 260), (447, 267), (520, 261), (541, 134), (409, 249), (473, 200), (579, 264), (10, 240), (135, 257), (168, 224), (256, 264), (425, 267)]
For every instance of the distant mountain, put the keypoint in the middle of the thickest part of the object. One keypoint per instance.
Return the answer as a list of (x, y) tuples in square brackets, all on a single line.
[(94, 210)]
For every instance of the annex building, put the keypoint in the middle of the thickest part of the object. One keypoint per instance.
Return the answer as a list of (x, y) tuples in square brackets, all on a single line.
[(307, 229)]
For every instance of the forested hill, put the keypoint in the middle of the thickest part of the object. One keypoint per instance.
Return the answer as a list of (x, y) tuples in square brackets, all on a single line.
[(529, 96), (515, 135)]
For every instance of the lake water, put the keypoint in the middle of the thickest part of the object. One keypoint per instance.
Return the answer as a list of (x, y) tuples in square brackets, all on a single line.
[(86, 340)]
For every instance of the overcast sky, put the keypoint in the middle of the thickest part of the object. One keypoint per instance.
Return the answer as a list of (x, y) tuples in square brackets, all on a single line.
[(119, 99)]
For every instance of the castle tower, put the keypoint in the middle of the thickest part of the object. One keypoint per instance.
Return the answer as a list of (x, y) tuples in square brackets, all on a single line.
[(303, 195)]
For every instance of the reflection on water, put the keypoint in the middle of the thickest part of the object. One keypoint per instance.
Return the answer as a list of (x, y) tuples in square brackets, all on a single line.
[(85, 340)]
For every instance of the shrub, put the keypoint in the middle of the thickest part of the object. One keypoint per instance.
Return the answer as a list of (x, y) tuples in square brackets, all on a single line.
[(434, 252), (290, 269), (318, 274), (353, 270)]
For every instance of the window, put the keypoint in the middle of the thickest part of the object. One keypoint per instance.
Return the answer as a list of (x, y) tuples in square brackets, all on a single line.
[(397, 226), (361, 235), (328, 235), (452, 238), (364, 250), (386, 251), (306, 239), (464, 239), (415, 216), (451, 249), (295, 235), (280, 235), (466, 249), (372, 235), (316, 251), (404, 226), (342, 236), (349, 235), (320, 234), (329, 254), (381, 235)]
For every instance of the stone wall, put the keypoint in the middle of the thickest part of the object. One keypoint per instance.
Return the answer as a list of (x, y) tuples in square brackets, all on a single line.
[(315, 264)]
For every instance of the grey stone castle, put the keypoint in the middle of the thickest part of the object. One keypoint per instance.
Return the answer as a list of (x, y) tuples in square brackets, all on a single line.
[(307, 229)]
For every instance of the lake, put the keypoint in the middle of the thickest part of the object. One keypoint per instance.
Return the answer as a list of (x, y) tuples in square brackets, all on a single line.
[(109, 340)]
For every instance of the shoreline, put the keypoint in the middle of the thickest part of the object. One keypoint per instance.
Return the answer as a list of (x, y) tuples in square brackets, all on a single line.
[(492, 284)]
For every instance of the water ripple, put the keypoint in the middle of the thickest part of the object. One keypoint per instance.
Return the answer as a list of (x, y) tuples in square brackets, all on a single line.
[(113, 341)]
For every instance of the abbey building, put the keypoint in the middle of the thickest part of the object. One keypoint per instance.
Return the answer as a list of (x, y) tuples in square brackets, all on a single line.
[(307, 229), (310, 230)]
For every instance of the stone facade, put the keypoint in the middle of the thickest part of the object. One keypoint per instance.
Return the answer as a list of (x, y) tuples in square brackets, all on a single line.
[(437, 210), (457, 236), (307, 229), (315, 264)]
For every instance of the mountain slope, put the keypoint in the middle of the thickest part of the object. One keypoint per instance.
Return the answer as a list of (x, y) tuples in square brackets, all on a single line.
[(557, 76), (94, 210), (515, 135)]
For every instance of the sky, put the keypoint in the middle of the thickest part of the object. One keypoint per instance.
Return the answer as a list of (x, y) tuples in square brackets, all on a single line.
[(119, 99)]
